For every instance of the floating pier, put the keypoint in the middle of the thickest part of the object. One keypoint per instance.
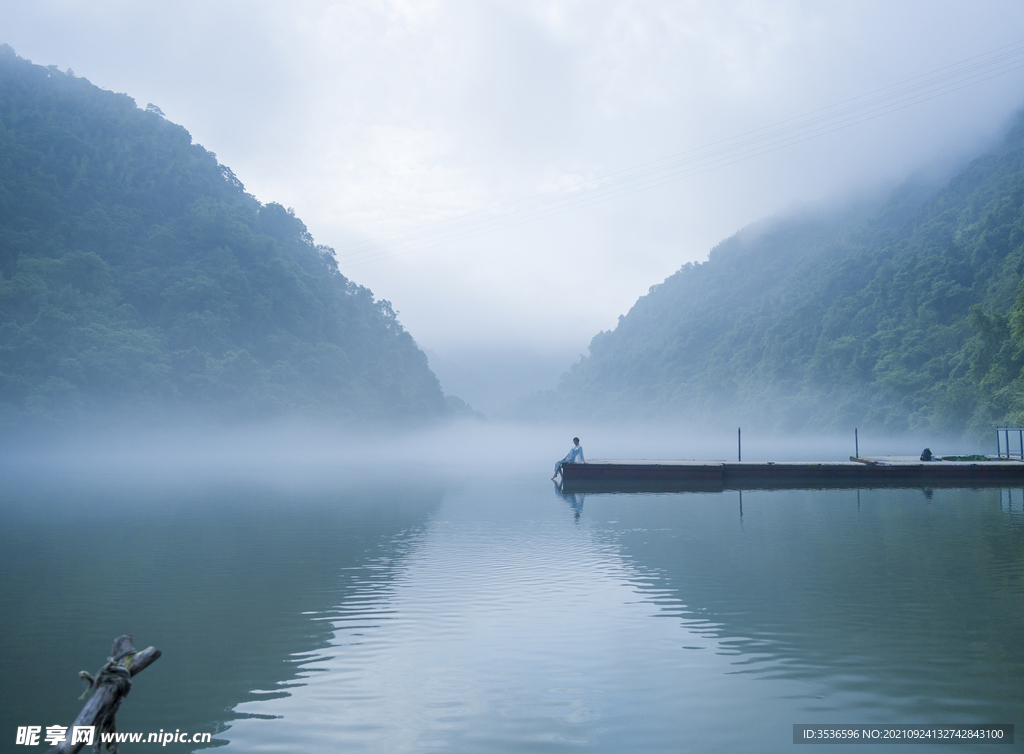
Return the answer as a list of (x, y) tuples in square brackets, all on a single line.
[(711, 476)]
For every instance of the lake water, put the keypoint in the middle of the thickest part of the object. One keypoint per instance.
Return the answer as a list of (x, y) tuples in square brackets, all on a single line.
[(311, 613)]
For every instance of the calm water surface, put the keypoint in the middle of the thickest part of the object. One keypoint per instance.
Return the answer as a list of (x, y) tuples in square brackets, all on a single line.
[(316, 614)]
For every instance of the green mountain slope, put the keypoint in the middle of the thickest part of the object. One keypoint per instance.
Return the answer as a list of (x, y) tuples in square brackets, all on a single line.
[(909, 316), (137, 277)]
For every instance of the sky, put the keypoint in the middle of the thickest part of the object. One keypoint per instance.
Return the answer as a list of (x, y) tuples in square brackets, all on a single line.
[(413, 135)]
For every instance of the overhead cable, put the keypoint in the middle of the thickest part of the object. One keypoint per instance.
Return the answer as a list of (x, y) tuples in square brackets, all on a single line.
[(703, 159)]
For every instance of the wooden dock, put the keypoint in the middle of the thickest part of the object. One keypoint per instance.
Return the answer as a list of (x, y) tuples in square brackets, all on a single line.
[(889, 471)]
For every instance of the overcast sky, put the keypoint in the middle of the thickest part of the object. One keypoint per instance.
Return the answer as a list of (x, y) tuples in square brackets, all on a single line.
[(379, 117)]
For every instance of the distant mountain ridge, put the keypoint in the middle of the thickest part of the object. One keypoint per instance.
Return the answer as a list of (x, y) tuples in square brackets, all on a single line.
[(905, 317), (137, 277)]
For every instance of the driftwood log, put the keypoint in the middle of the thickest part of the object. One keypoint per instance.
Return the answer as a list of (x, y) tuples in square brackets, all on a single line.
[(109, 687)]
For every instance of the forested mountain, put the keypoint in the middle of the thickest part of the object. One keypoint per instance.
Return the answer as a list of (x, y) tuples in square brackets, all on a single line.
[(909, 316), (138, 278)]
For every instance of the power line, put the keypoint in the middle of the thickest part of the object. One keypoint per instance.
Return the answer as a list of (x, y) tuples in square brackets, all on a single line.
[(713, 156)]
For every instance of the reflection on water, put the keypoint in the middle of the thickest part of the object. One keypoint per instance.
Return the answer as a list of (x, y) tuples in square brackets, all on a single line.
[(221, 576), (907, 607), (574, 499), (483, 618), (502, 629)]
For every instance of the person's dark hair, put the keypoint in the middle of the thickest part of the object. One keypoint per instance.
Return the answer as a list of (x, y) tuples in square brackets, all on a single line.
[(576, 439)]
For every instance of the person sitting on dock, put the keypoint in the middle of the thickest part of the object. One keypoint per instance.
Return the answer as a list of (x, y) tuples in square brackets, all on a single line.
[(575, 452)]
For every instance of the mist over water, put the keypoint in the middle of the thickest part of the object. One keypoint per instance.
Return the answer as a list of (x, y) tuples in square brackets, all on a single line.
[(470, 448)]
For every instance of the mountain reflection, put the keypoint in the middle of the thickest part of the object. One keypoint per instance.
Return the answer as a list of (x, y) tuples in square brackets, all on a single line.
[(505, 623), (324, 615), (220, 575), (911, 603)]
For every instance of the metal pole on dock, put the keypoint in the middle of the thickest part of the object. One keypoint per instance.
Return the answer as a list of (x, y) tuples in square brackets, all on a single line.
[(739, 444), (856, 444), (999, 447)]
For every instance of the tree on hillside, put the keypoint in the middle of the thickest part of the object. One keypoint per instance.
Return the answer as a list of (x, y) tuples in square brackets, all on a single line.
[(137, 276)]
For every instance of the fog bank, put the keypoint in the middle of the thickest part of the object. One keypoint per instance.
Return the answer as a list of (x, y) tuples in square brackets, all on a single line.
[(459, 450)]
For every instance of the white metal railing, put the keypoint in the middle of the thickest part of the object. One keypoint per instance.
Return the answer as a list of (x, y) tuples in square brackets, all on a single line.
[(1005, 432)]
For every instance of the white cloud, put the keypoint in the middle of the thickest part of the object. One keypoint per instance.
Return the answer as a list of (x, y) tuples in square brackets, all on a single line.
[(377, 117)]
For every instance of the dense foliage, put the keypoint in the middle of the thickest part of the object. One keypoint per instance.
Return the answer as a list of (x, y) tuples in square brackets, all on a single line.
[(908, 316), (137, 276)]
